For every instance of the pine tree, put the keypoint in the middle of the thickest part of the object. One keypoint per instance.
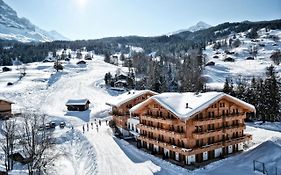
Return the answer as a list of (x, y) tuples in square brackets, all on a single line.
[(226, 87), (272, 95), (106, 58)]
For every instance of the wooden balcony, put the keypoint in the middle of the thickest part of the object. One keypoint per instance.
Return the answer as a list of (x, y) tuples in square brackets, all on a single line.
[(206, 121), (219, 119), (206, 134), (246, 137), (157, 119), (161, 131), (234, 128), (196, 150), (218, 131), (232, 117)]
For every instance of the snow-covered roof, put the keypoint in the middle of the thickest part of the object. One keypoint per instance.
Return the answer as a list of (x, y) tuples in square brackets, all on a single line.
[(177, 102), (77, 102), (127, 96), (5, 100)]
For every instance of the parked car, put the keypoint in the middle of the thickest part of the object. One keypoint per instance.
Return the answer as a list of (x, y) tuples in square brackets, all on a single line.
[(62, 124), (52, 124), (47, 126)]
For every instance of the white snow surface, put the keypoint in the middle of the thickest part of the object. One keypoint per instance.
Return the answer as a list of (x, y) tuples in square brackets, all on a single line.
[(99, 152), (241, 67)]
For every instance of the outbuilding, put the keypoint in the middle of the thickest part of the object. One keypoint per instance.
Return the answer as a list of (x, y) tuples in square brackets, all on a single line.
[(77, 104)]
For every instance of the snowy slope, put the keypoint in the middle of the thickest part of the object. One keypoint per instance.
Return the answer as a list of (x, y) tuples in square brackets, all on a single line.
[(21, 29), (99, 152), (241, 67)]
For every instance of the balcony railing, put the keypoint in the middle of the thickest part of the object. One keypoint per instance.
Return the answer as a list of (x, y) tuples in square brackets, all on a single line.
[(209, 133), (218, 131), (220, 118), (233, 128), (196, 150), (157, 119), (161, 131), (206, 121)]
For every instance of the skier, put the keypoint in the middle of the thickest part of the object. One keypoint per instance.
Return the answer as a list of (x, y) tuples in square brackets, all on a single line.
[(87, 126), (106, 122), (99, 122), (92, 125), (83, 129)]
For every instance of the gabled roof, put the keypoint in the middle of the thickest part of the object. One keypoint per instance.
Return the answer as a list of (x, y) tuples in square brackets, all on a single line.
[(77, 102), (177, 102), (127, 96)]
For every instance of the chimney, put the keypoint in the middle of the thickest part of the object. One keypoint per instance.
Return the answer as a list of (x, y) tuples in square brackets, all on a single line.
[(186, 105)]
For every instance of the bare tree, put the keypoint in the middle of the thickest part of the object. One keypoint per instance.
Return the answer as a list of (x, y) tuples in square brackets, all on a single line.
[(36, 142), (8, 143)]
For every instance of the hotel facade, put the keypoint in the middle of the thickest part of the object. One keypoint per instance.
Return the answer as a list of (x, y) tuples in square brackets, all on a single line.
[(192, 128), (121, 106)]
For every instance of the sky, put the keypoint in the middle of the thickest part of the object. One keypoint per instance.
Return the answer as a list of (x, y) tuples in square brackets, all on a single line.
[(92, 19)]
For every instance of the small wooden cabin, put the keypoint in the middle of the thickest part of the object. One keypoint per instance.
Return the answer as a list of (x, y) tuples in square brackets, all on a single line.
[(5, 108), (77, 104)]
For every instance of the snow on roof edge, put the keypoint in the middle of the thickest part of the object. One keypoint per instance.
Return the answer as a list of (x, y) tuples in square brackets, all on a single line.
[(135, 95), (77, 101), (8, 101), (194, 111)]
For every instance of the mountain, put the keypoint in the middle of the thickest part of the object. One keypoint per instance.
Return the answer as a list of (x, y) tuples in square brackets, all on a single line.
[(21, 29), (199, 26)]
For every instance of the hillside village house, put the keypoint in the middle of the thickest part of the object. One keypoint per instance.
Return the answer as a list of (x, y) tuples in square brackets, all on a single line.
[(123, 103), (192, 128), (77, 104), (5, 108)]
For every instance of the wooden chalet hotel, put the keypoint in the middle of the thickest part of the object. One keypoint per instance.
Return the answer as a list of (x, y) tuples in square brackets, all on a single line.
[(190, 127), (123, 103)]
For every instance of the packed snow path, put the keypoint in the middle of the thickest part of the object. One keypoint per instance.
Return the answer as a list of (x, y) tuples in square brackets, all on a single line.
[(116, 157)]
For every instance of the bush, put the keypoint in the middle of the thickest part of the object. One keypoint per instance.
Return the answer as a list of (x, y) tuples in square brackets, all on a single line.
[(250, 58), (229, 59), (6, 69), (236, 43), (211, 63), (58, 66), (276, 57)]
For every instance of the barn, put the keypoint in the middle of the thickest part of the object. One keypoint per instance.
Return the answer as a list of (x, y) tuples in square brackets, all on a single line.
[(77, 104)]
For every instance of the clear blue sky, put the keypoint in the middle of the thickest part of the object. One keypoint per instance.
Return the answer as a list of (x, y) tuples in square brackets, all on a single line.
[(91, 19)]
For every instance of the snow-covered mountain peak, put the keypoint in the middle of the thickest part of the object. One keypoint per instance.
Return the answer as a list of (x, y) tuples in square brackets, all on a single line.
[(199, 26), (13, 27)]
